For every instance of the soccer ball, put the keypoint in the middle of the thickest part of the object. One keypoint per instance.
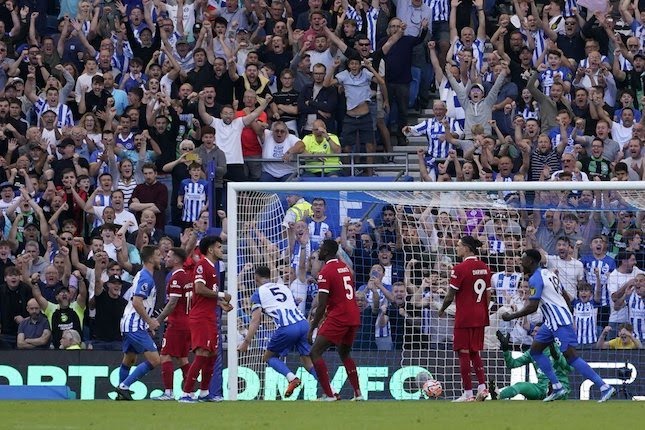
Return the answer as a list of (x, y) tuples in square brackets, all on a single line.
[(432, 388)]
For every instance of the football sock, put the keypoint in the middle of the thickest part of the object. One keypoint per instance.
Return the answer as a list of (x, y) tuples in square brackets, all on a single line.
[(352, 375), (323, 376), (167, 373), (290, 376), (585, 370), (207, 372), (124, 371), (203, 393), (544, 364), (313, 372), (193, 372), (184, 370), (476, 360), (279, 366), (464, 369), (138, 373)]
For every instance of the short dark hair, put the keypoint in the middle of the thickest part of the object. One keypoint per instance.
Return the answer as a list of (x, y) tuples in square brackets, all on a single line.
[(207, 242), (329, 245), (208, 130), (149, 165), (179, 252), (534, 255), (263, 271), (147, 252)]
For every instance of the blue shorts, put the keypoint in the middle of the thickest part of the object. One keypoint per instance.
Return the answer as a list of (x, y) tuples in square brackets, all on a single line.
[(286, 338), (564, 336), (138, 342)]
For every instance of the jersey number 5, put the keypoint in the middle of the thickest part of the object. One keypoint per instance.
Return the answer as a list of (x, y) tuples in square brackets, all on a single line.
[(279, 295), (348, 287), (480, 288)]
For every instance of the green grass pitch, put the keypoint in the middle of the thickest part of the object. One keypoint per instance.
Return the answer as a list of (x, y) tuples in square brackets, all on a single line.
[(393, 415)]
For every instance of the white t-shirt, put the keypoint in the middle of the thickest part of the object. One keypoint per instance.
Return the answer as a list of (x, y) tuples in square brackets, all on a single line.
[(620, 133), (228, 138), (614, 282), (569, 271), (272, 149), (119, 218)]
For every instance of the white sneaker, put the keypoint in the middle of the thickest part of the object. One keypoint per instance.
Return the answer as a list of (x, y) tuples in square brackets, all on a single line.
[(163, 397), (357, 399), (327, 399), (607, 394), (482, 395), (464, 398)]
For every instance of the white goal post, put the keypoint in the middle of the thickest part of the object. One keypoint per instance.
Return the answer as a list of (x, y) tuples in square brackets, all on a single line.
[(397, 193)]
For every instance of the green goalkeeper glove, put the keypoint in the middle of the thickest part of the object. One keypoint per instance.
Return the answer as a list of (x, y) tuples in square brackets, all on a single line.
[(504, 341)]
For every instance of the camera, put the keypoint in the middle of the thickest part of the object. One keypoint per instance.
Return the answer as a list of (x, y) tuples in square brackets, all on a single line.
[(624, 373)]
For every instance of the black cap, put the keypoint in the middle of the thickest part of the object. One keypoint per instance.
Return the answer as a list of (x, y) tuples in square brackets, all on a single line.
[(115, 279), (67, 141), (639, 54), (61, 288)]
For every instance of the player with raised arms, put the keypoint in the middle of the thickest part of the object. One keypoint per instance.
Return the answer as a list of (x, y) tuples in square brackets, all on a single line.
[(176, 339), (276, 300), (547, 293), (336, 299), (137, 325), (470, 288), (202, 319)]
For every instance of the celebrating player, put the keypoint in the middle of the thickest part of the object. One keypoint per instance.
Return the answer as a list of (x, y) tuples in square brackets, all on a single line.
[(470, 286), (136, 322), (276, 300), (176, 339), (336, 297), (547, 293), (203, 319)]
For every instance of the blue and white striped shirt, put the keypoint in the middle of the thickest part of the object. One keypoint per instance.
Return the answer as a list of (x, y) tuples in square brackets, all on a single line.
[(505, 285), (63, 112), (440, 10), (317, 233), (195, 197), (545, 286), (276, 300), (636, 308), (585, 315), (606, 265), (432, 128), (370, 28), (144, 287), (478, 52)]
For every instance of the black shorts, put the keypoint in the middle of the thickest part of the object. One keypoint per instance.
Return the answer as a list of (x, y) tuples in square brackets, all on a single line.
[(362, 127)]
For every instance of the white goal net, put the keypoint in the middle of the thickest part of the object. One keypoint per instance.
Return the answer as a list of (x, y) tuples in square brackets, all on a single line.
[(400, 239)]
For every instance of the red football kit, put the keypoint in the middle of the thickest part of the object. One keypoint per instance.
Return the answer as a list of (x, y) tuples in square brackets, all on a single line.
[(203, 317), (176, 340), (471, 280), (343, 317)]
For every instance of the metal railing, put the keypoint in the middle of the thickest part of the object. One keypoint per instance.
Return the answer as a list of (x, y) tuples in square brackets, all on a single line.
[(352, 162)]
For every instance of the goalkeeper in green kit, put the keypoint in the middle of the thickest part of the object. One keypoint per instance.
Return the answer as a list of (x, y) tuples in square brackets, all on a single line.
[(531, 391)]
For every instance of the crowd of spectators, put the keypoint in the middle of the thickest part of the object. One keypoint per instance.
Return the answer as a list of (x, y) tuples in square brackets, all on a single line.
[(115, 121)]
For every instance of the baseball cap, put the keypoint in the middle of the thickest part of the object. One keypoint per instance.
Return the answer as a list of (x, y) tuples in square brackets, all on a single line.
[(67, 141), (115, 279), (640, 55), (35, 145), (7, 184), (480, 86), (30, 224), (49, 110), (242, 30), (182, 39)]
